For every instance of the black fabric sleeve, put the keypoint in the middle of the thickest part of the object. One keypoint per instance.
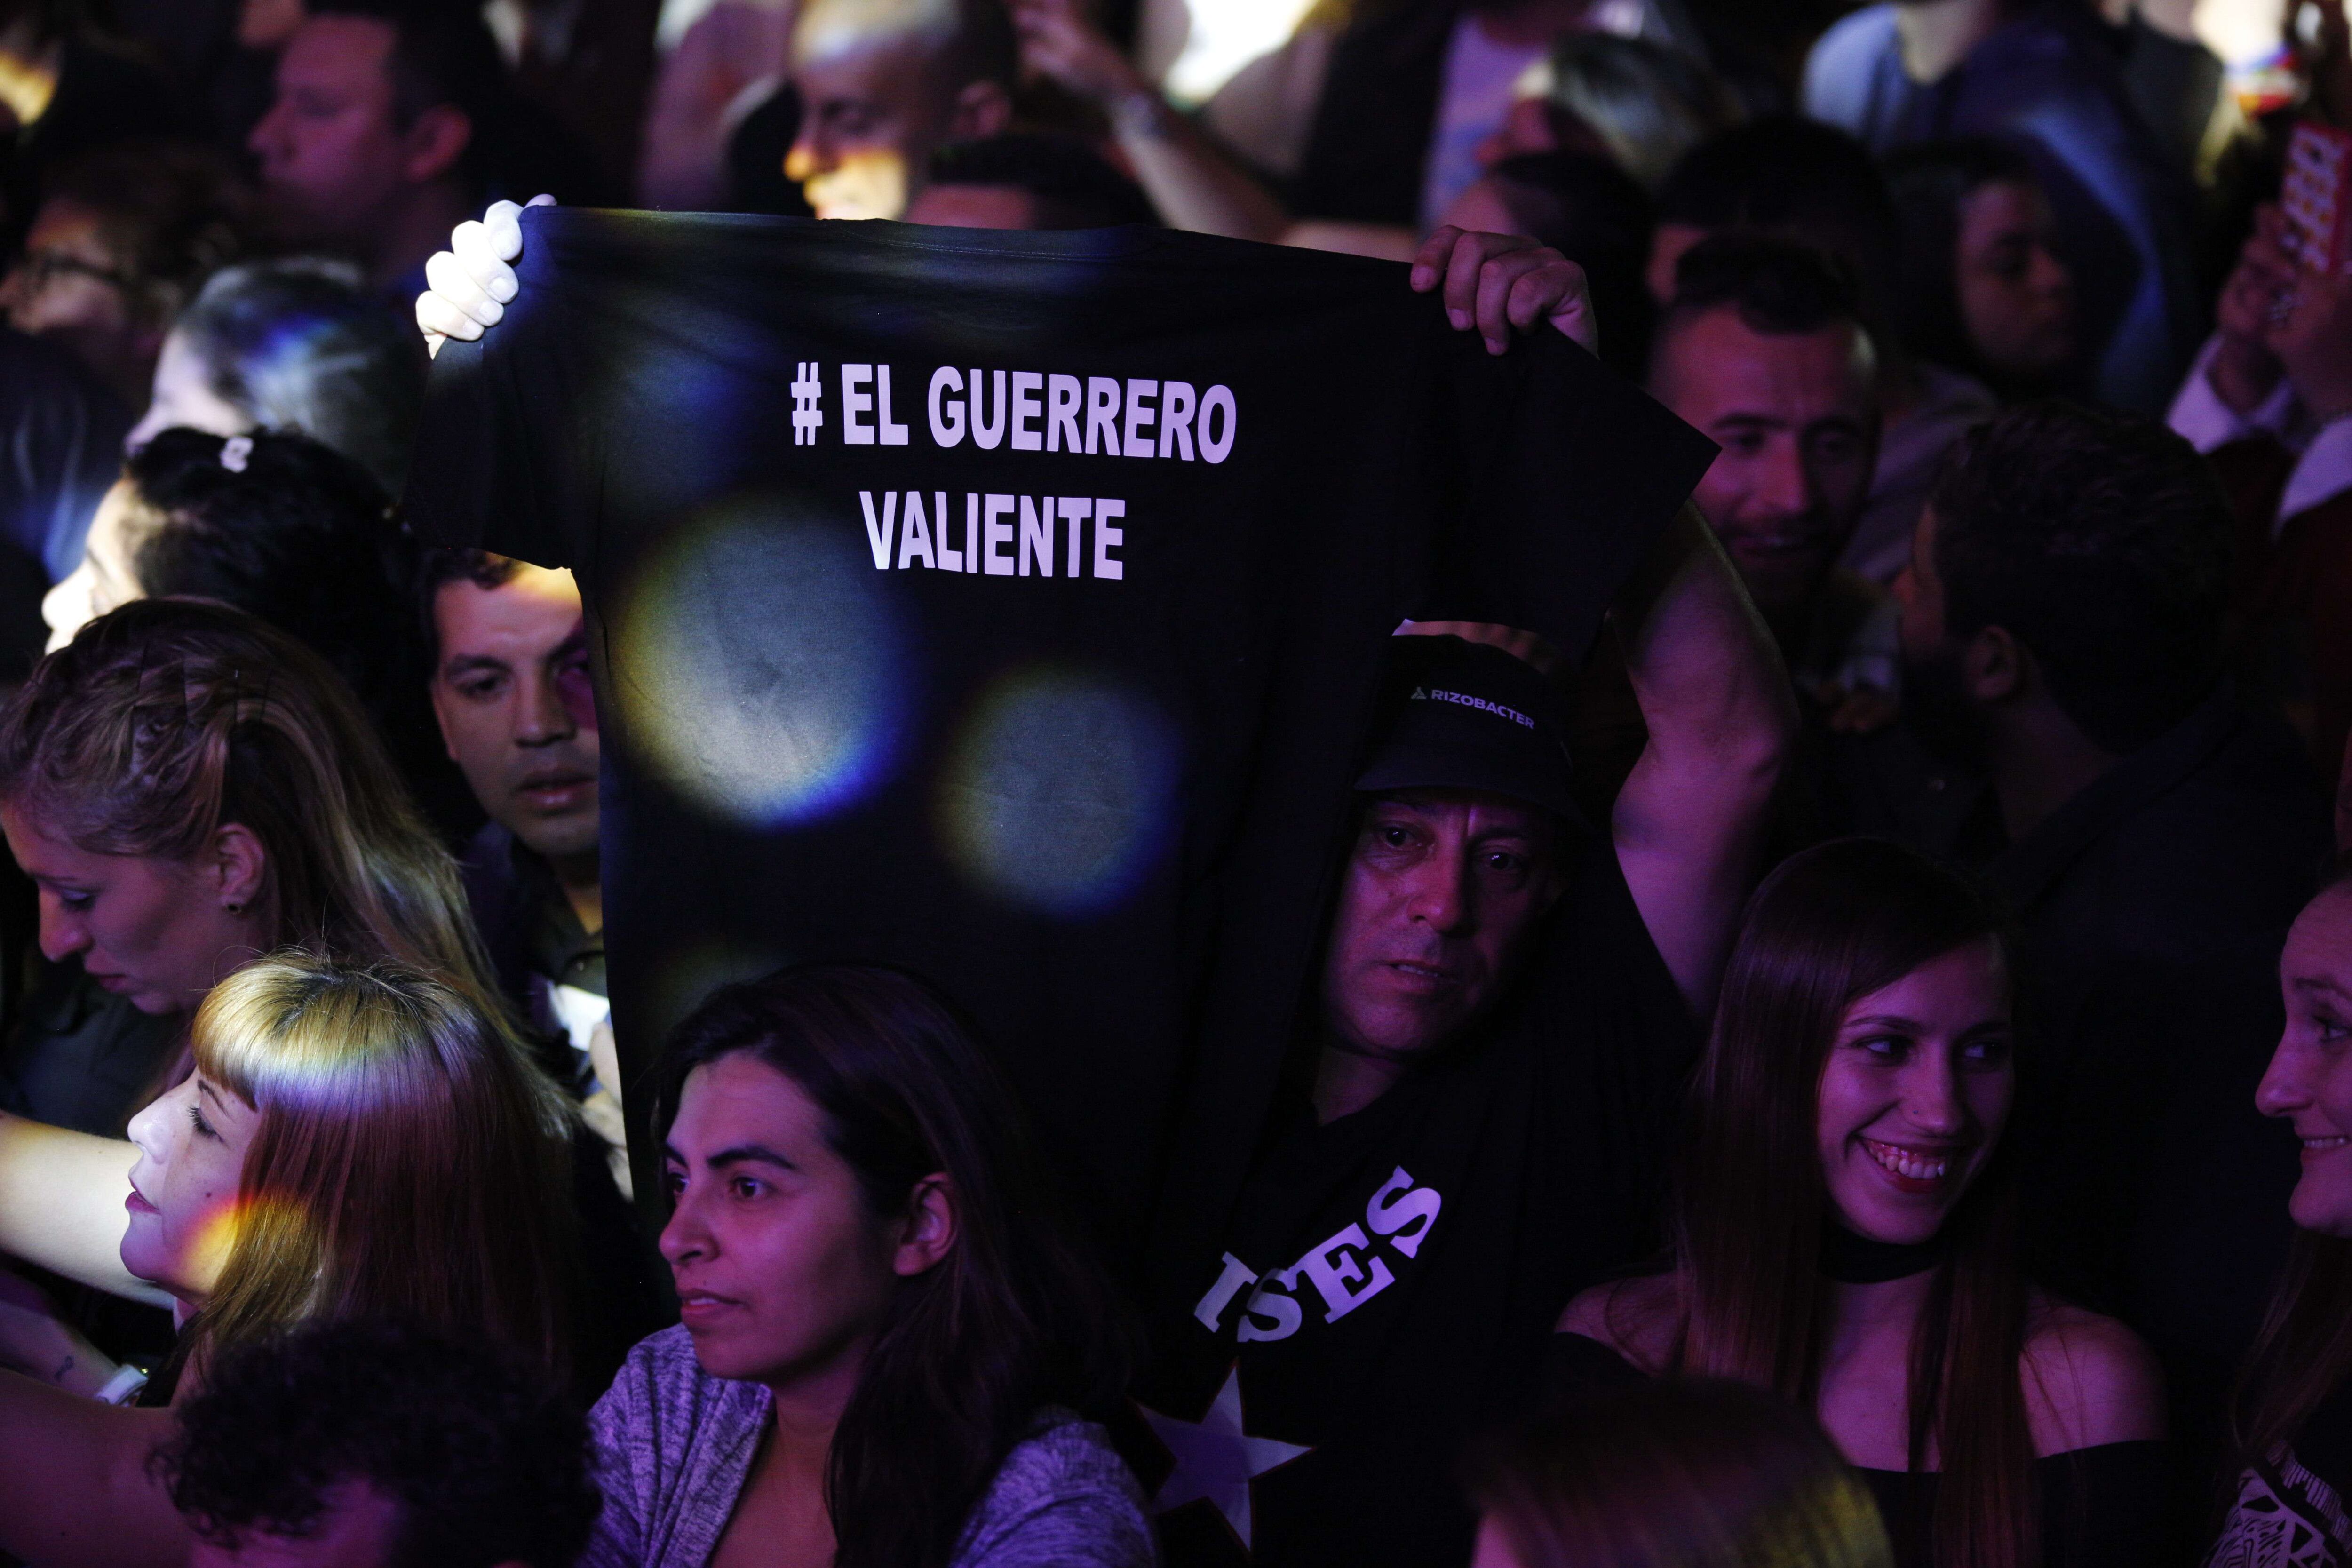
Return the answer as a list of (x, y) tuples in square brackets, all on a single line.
[(494, 424), (1570, 476), (1576, 1367), (2106, 1506)]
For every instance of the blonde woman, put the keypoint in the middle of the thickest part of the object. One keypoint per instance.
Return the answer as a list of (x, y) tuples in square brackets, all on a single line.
[(189, 790), (355, 1141)]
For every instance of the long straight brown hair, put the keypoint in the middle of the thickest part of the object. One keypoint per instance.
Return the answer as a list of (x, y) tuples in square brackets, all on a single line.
[(2304, 1353), (1832, 925)]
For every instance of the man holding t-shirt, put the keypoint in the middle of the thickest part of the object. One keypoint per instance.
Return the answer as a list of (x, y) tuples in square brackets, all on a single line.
[(1483, 1096), (1507, 1001)]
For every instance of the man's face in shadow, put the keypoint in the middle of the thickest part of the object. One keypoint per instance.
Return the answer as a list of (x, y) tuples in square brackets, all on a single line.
[(1440, 891)]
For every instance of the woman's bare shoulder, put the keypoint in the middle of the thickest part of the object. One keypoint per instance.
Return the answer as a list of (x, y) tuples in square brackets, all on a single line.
[(1637, 1317), (2088, 1380)]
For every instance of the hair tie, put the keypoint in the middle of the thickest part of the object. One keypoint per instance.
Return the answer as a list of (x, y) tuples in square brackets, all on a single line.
[(235, 451)]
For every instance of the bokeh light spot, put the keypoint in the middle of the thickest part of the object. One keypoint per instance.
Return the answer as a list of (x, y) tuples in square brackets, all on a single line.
[(1060, 793), (769, 687)]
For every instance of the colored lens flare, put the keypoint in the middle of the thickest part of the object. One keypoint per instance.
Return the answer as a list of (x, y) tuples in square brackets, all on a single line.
[(208, 1245), (1060, 793), (787, 709)]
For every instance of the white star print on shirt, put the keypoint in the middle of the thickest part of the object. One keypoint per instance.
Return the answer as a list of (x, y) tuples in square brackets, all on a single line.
[(1216, 1458)]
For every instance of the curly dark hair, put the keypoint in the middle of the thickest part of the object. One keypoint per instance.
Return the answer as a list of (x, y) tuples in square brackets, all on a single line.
[(2103, 543), (487, 1460)]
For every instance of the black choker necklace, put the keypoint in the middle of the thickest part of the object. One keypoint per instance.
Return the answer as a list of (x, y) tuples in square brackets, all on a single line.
[(1852, 1260)]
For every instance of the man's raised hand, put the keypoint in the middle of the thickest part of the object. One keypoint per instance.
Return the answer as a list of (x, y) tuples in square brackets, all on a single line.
[(1499, 283), (468, 285)]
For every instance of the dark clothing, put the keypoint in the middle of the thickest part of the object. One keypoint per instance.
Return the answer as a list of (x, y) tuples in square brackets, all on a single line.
[(2099, 1506), (755, 159), (1367, 147), (2210, 832), (80, 1057), (534, 937), (1096, 794), (2289, 1511), (2050, 80), (2292, 593), (592, 79), (2161, 1193), (1391, 1278)]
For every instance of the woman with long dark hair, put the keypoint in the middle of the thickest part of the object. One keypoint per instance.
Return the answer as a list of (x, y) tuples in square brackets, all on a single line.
[(885, 1344), (2291, 1427), (1843, 1226)]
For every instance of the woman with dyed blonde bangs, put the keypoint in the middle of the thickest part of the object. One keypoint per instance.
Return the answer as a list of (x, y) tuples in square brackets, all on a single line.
[(356, 1140)]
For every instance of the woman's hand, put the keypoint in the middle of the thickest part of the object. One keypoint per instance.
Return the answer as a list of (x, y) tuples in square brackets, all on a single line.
[(1499, 283), (469, 284)]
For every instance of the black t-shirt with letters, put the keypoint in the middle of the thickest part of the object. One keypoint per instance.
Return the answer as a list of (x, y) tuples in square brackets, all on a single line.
[(1391, 1279), (1007, 607)]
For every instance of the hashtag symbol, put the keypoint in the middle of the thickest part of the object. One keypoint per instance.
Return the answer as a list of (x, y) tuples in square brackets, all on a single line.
[(807, 389)]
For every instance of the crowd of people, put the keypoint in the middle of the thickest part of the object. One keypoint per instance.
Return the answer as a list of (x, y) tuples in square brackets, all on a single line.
[(1849, 1069)]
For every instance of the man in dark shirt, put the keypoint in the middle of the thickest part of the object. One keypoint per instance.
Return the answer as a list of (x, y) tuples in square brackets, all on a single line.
[(2065, 733), (510, 689), (1507, 999), (2065, 728)]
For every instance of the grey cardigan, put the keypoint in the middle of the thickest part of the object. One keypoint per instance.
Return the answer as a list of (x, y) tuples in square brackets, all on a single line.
[(675, 1444)]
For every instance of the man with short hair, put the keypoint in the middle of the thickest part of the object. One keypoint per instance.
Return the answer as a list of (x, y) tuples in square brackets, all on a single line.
[(509, 685), (366, 1446), (1762, 348), (883, 85), (1476, 1123), (2061, 626), (1797, 180), (370, 147)]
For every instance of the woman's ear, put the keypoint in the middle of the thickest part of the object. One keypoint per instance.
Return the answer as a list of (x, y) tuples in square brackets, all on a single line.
[(928, 1232), (240, 866)]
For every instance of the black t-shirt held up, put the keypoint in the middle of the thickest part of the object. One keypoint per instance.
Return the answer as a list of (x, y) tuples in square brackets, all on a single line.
[(1391, 1279), (1008, 606)]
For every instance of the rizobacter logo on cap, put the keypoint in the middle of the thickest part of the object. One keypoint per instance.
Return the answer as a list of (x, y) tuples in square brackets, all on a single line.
[(1431, 694)]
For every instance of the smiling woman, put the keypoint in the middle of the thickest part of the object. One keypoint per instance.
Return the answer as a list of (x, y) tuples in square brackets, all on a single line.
[(1843, 1226), (2292, 1428)]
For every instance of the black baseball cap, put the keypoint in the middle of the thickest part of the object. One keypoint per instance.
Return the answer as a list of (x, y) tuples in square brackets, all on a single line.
[(1463, 715)]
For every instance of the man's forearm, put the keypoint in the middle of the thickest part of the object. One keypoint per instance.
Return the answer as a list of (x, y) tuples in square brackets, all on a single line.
[(1195, 186), (76, 1491), (1720, 716)]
